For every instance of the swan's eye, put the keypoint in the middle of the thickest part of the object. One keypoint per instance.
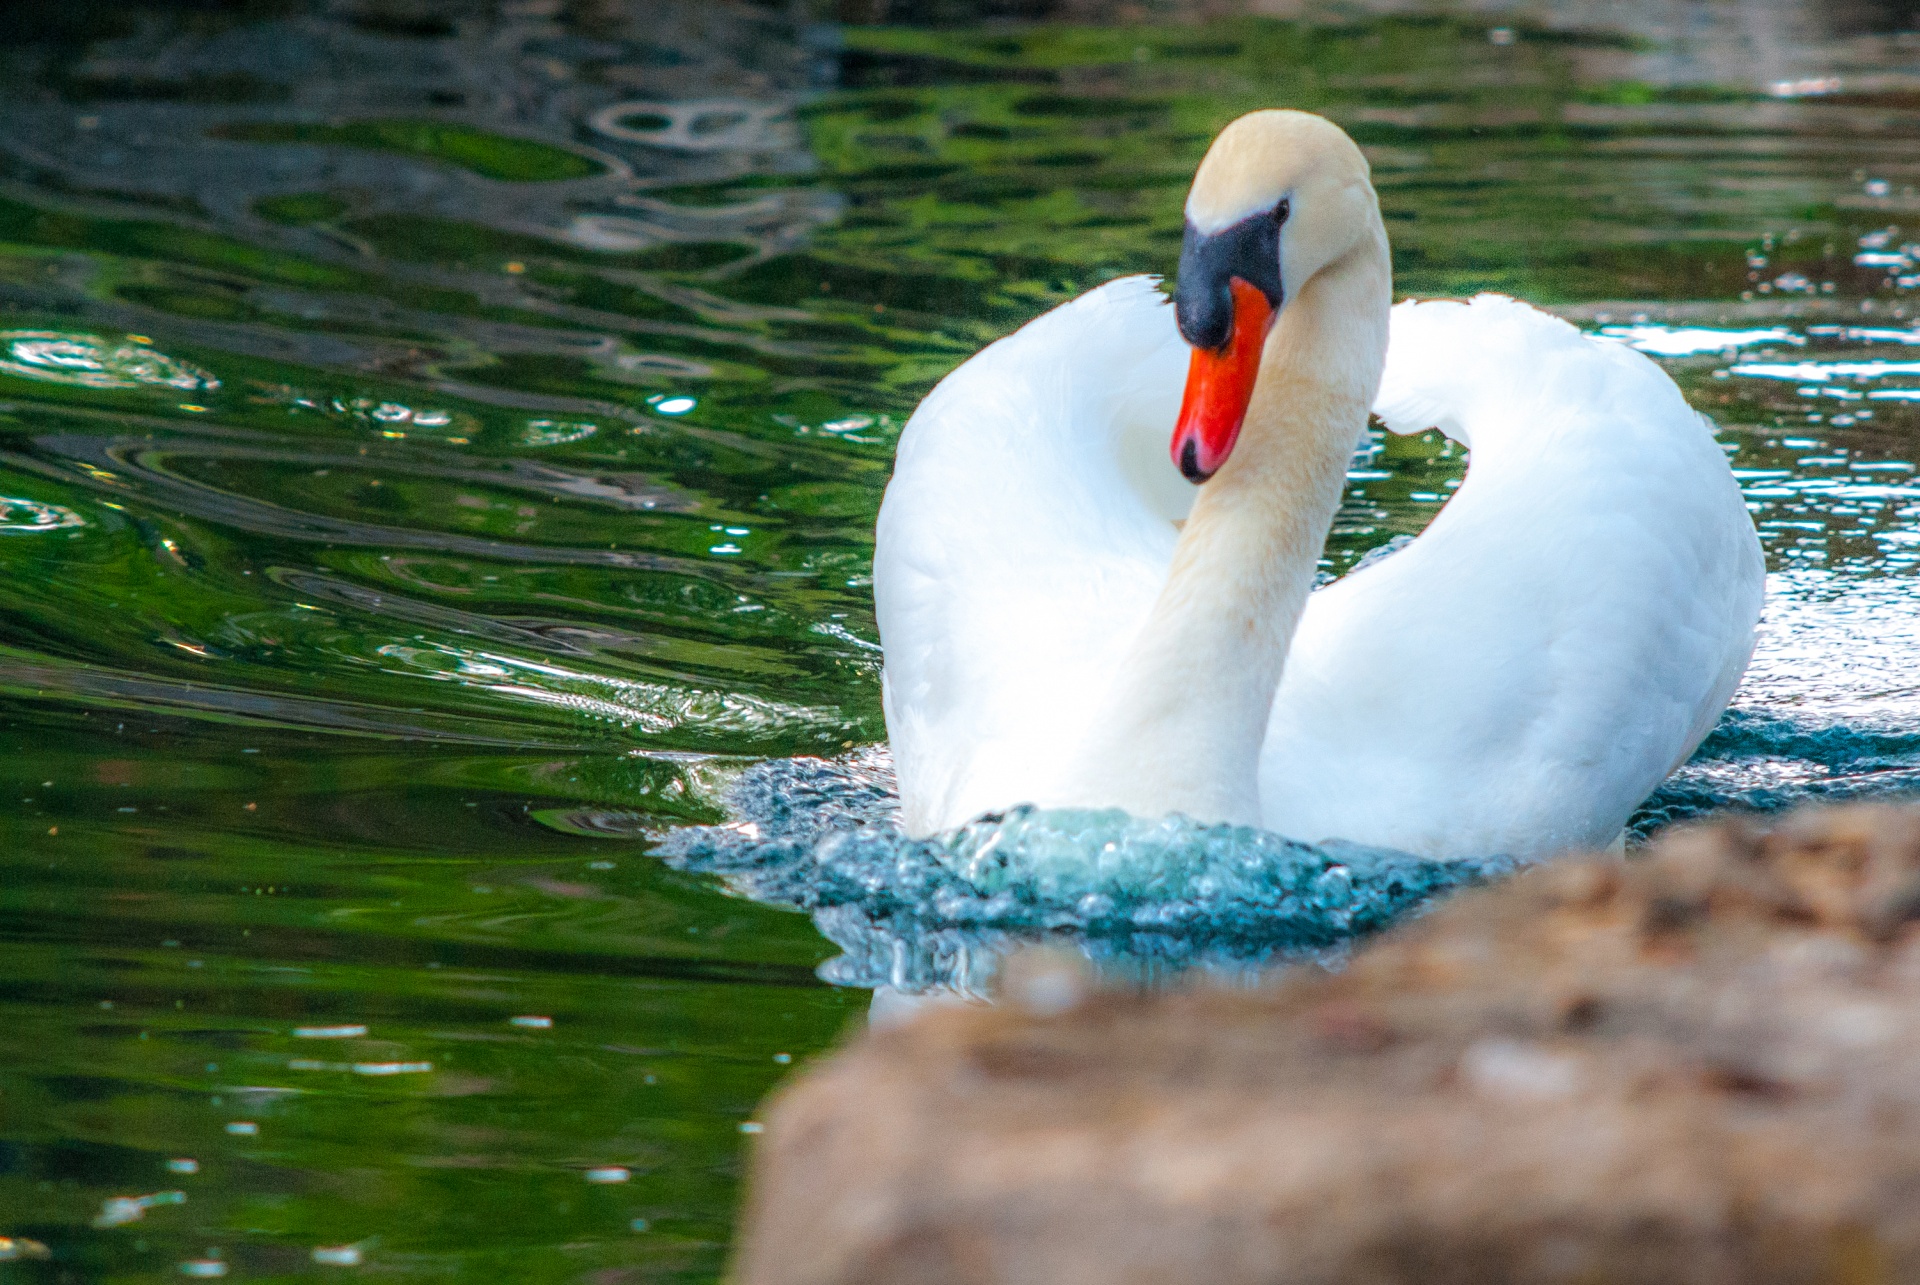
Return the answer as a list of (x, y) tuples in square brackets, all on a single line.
[(1281, 211)]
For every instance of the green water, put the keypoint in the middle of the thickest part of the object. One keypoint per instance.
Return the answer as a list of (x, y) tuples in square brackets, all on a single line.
[(403, 462)]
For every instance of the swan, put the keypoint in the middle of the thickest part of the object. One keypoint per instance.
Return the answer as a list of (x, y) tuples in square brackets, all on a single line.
[(1072, 615)]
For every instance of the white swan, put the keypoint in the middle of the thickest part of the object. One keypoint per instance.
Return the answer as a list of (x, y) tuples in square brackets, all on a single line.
[(1068, 621)]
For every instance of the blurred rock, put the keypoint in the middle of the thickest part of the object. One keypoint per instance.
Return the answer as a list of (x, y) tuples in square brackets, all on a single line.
[(1699, 1066)]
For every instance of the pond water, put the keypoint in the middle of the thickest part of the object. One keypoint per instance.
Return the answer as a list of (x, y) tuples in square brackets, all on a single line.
[(439, 445)]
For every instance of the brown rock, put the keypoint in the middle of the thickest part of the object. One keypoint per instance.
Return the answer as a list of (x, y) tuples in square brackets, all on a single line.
[(1700, 1066)]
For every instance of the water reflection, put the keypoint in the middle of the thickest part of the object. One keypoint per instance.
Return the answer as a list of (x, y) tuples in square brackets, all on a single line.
[(1820, 372), (1687, 341), (709, 125), (648, 707), (557, 432), (20, 516), (89, 361)]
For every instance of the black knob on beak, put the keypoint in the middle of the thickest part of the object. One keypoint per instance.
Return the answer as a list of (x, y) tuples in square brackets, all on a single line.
[(1209, 261)]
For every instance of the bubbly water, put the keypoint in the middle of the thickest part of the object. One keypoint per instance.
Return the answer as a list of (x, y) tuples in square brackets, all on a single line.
[(1144, 897), (1138, 894)]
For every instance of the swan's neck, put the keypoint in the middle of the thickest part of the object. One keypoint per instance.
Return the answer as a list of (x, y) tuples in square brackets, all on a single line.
[(1183, 728)]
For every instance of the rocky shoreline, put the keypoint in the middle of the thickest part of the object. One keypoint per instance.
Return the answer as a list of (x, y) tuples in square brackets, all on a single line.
[(1695, 1066)]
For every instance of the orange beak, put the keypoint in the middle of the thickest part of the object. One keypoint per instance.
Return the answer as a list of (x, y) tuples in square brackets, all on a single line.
[(1219, 386)]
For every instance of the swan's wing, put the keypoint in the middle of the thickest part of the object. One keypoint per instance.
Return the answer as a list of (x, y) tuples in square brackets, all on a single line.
[(1566, 630), (1024, 535)]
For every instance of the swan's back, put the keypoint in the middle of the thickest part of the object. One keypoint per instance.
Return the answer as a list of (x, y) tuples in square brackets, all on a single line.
[(1563, 634)]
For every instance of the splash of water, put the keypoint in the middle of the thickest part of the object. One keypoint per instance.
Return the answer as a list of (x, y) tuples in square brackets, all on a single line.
[(1139, 896), (1146, 898)]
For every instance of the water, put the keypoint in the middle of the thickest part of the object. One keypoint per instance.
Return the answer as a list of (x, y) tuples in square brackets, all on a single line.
[(1142, 899), (439, 444)]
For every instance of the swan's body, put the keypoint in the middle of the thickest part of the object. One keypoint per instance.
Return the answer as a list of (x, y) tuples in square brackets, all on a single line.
[(1516, 680)]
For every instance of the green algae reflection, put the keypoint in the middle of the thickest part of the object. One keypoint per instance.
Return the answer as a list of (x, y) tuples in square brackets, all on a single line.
[(519, 160)]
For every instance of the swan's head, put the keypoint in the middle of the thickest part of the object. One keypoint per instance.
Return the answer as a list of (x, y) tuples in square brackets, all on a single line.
[(1279, 196)]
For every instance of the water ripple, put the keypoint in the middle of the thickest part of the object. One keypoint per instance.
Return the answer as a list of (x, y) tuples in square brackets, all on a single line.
[(19, 516), (89, 361)]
